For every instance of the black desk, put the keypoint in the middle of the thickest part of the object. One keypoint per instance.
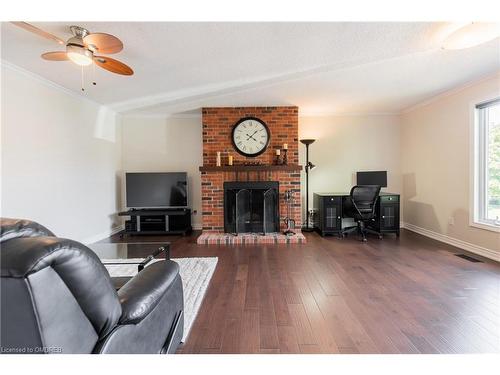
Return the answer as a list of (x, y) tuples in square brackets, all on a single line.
[(328, 213)]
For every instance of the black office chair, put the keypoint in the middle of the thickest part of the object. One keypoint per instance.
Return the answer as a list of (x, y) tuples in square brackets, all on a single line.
[(360, 205)]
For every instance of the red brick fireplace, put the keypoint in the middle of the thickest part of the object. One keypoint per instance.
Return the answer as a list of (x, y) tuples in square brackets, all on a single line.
[(217, 127)]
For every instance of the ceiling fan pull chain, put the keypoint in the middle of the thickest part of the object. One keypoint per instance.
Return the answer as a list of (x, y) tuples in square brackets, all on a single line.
[(82, 80), (93, 74)]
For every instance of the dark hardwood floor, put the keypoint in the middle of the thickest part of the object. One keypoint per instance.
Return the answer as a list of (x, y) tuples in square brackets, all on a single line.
[(406, 295)]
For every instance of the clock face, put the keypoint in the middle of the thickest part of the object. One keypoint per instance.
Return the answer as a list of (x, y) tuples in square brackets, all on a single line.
[(250, 136)]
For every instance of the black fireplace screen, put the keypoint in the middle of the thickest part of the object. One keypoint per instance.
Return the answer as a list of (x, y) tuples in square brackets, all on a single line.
[(251, 207)]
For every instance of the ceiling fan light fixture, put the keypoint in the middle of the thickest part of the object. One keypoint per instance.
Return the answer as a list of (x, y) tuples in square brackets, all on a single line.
[(79, 55), (82, 49), (472, 35)]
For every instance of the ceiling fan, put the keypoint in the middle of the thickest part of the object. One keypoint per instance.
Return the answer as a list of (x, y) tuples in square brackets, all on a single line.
[(83, 48)]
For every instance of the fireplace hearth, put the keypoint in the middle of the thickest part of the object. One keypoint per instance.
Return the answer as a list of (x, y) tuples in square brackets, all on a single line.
[(251, 207)]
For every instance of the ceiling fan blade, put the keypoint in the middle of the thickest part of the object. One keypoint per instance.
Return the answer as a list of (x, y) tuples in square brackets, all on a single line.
[(33, 29), (105, 43), (55, 56), (113, 65)]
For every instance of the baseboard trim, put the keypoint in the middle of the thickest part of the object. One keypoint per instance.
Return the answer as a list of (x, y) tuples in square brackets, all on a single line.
[(479, 250), (103, 235)]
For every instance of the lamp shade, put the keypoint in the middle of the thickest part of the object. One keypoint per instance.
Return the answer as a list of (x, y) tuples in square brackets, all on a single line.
[(307, 141)]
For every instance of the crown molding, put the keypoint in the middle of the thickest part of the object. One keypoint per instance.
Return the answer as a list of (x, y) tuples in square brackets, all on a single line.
[(46, 82), (164, 116), (451, 92), (345, 114)]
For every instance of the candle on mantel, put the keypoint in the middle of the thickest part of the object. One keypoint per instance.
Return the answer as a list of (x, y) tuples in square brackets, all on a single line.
[(278, 152), (230, 160), (285, 146), (217, 159)]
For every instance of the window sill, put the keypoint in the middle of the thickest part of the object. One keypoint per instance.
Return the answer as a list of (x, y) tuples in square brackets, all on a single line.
[(487, 226)]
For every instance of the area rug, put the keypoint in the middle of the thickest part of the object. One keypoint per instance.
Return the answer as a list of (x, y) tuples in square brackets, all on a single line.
[(196, 274)]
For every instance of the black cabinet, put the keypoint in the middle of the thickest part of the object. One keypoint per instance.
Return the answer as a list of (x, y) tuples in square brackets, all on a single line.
[(328, 218), (328, 213), (158, 221), (387, 214)]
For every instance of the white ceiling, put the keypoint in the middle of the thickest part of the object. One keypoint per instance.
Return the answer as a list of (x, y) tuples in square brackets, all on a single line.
[(336, 67)]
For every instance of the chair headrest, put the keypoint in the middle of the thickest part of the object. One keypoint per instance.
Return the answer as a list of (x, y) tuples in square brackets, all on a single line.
[(365, 193)]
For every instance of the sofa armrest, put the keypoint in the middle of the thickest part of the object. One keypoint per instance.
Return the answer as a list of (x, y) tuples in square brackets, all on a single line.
[(144, 291)]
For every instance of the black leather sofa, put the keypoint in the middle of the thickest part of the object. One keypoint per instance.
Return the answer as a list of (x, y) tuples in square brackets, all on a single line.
[(57, 297)]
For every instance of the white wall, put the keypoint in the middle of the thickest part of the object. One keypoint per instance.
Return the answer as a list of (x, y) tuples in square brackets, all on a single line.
[(347, 144), (436, 165), (175, 144), (155, 144), (60, 158)]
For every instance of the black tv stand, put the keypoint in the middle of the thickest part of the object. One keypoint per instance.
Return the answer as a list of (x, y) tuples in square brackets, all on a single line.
[(157, 221)]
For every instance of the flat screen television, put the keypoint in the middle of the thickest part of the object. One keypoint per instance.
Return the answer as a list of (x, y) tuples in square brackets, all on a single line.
[(156, 190), (372, 178)]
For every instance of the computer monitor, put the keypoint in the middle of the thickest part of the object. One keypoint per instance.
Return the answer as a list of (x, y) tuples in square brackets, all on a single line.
[(372, 178)]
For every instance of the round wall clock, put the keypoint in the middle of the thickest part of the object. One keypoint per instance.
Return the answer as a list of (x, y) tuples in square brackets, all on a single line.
[(250, 136)]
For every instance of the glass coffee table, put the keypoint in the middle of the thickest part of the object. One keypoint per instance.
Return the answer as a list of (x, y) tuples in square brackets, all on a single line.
[(121, 254)]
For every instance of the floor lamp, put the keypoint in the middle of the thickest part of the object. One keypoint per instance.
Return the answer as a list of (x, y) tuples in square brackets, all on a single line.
[(309, 166)]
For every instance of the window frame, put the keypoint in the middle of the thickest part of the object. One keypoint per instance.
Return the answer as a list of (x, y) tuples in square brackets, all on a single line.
[(479, 156)]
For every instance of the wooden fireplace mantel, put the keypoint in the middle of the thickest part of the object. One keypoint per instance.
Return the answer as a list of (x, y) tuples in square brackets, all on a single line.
[(251, 168)]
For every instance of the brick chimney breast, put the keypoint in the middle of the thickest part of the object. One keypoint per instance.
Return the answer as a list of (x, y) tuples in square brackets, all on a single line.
[(217, 127)]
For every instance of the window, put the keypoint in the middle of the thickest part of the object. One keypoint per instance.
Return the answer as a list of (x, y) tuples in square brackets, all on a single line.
[(487, 164)]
